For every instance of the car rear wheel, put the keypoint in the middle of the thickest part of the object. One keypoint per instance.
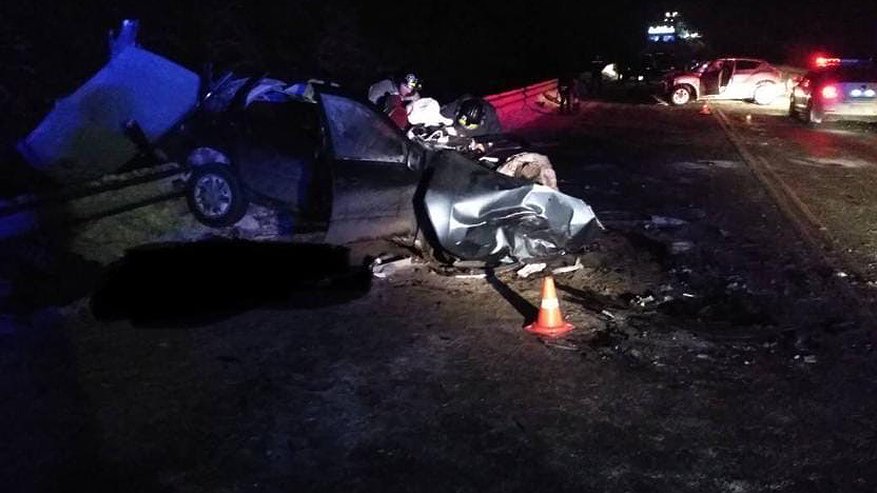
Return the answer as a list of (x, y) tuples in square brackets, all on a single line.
[(812, 115), (681, 95), (766, 93), (215, 196)]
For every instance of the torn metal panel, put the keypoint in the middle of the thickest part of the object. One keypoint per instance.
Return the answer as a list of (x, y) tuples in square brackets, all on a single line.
[(86, 130), (478, 214)]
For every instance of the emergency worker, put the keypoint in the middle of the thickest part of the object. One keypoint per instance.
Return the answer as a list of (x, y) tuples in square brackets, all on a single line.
[(472, 117), (408, 89)]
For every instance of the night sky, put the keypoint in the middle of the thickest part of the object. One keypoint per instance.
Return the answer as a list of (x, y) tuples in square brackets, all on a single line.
[(49, 47)]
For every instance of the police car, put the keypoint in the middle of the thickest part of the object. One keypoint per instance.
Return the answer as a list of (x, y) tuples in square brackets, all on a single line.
[(836, 89)]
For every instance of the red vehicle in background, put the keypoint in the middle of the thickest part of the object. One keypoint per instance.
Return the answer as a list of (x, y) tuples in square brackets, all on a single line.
[(836, 89)]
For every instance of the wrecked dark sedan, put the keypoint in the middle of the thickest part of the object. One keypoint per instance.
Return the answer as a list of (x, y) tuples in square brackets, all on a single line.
[(343, 168)]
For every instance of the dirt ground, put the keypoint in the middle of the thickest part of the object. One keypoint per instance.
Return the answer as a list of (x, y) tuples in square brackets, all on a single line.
[(714, 350)]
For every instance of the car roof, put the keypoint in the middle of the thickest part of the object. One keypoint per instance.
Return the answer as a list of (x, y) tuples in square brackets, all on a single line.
[(736, 59)]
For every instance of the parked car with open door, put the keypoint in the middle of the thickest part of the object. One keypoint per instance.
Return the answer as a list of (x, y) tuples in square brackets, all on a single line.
[(726, 79)]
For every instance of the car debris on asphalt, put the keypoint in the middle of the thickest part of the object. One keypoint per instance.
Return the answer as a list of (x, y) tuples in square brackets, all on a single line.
[(383, 268), (678, 247), (569, 268), (666, 222)]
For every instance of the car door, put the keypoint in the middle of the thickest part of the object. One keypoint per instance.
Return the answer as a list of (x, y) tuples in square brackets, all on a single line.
[(725, 75), (742, 83), (373, 185), (278, 150), (709, 80)]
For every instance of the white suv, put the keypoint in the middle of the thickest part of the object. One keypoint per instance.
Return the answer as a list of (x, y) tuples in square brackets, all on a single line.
[(726, 78)]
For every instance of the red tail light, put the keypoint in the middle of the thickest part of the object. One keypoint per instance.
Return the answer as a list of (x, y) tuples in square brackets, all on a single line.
[(829, 92)]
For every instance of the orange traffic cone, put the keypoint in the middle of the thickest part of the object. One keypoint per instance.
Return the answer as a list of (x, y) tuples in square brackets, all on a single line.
[(550, 322), (705, 109)]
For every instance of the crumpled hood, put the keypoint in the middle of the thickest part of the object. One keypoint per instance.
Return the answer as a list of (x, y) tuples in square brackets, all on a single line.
[(478, 214)]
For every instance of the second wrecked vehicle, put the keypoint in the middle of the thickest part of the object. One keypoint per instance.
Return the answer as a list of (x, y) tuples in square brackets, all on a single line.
[(345, 169)]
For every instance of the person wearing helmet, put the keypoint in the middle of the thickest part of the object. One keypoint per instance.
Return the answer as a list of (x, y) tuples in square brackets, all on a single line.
[(472, 117), (408, 89)]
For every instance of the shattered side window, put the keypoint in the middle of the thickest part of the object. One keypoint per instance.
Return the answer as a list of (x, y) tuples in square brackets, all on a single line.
[(358, 133)]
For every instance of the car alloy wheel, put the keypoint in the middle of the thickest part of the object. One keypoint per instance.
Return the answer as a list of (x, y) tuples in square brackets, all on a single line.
[(215, 196), (212, 195), (681, 95)]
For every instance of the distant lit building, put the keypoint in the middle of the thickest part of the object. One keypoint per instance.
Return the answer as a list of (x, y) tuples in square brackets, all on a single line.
[(671, 44), (671, 29)]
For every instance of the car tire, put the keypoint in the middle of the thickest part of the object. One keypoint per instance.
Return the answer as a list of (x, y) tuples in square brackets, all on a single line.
[(765, 93), (812, 116), (215, 196), (681, 94)]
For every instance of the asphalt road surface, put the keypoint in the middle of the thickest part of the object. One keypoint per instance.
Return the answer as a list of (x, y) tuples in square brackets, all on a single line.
[(826, 172), (723, 343)]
